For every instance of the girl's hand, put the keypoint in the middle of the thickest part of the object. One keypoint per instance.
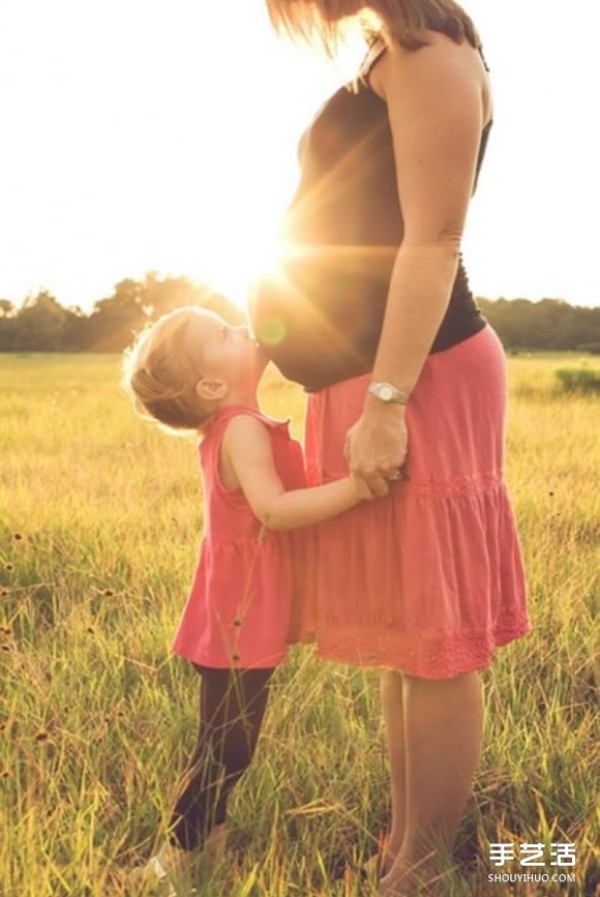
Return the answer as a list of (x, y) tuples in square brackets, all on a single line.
[(376, 448)]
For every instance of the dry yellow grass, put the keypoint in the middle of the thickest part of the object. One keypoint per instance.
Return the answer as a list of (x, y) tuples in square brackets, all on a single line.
[(100, 517)]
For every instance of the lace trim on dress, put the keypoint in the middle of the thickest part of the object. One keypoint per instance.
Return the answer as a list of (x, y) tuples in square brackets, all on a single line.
[(429, 657)]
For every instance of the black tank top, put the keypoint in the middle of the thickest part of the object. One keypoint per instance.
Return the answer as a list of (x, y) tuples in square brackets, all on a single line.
[(320, 320)]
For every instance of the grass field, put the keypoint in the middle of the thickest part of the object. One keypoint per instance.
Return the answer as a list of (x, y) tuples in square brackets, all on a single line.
[(100, 517)]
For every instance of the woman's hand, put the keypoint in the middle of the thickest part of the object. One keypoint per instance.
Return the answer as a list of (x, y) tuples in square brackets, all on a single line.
[(376, 448)]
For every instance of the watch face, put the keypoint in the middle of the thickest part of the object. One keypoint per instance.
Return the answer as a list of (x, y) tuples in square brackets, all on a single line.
[(385, 393)]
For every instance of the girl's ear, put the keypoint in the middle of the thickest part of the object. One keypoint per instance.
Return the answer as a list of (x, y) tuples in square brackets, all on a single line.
[(211, 390)]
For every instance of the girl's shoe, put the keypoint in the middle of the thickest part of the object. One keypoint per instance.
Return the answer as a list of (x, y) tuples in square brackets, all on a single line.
[(166, 874)]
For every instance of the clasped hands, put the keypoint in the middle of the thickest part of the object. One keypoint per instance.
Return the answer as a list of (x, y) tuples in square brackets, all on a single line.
[(375, 449)]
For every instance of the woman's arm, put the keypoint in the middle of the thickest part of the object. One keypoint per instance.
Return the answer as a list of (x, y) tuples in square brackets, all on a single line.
[(435, 108), (247, 459)]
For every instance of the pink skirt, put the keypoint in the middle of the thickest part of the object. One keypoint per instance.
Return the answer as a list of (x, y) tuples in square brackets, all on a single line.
[(430, 579)]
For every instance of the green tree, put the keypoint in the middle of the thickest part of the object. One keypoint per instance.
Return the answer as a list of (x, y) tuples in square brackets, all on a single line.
[(116, 318), (547, 324), (162, 295), (7, 325), (40, 324)]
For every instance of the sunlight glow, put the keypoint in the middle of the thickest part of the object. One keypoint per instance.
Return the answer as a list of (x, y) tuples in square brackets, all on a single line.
[(182, 158), (234, 269)]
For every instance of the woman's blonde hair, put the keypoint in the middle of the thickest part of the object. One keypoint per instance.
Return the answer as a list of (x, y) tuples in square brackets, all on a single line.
[(161, 377), (403, 21)]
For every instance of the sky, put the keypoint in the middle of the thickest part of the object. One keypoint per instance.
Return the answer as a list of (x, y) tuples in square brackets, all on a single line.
[(161, 135)]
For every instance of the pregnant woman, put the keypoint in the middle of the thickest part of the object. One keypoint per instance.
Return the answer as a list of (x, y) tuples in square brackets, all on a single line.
[(373, 315)]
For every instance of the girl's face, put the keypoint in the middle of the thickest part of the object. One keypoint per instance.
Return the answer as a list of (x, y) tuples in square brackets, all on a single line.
[(223, 352)]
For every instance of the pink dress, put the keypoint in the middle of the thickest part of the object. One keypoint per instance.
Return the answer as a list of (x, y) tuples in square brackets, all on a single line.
[(243, 607), (430, 579)]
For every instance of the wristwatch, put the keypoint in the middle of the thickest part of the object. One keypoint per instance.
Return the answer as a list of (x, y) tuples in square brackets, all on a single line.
[(387, 392)]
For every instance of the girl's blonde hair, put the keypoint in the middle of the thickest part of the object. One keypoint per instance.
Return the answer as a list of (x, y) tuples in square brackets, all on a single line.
[(161, 377), (403, 21)]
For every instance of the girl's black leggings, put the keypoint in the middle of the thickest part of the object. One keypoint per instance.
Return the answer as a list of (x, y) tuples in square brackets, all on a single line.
[(232, 707)]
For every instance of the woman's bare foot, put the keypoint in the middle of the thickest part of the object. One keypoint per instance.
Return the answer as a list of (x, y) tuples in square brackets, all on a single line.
[(378, 865), (425, 878), (390, 850)]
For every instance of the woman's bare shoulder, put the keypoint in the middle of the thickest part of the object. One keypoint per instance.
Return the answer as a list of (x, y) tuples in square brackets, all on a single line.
[(440, 64)]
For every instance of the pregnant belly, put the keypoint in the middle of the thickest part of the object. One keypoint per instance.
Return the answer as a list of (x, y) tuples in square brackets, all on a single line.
[(320, 320)]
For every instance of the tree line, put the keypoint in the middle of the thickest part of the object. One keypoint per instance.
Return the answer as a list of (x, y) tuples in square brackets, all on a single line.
[(43, 324)]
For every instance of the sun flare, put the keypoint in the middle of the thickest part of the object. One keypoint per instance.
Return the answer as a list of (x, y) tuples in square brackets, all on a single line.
[(234, 270), (238, 239)]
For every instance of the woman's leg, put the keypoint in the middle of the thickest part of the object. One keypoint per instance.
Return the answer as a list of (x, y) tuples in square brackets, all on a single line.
[(232, 707), (392, 702), (443, 722)]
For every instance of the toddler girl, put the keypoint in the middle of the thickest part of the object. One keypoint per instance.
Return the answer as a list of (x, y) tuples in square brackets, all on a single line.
[(193, 371)]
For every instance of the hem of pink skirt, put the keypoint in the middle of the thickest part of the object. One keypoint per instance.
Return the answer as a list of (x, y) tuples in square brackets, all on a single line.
[(219, 662), (435, 657)]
